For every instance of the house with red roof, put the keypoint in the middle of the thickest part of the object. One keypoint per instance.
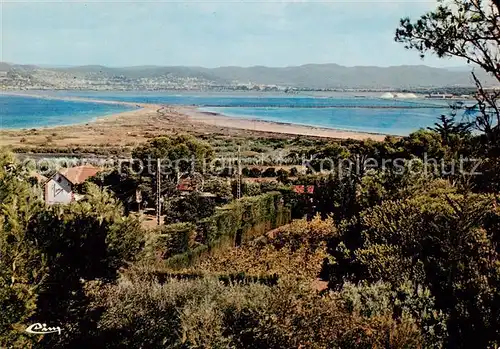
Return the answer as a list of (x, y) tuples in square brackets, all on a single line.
[(59, 189), (303, 189), (186, 185)]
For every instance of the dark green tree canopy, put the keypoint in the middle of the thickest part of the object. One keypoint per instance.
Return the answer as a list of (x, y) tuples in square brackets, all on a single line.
[(182, 149)]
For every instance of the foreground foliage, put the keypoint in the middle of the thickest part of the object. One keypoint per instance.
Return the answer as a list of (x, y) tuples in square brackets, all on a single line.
[(296, 250), (48, 252), (446, 243), (209, 314)]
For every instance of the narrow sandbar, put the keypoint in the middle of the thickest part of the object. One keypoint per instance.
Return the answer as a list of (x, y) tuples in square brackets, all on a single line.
[(220, 120), (133, 127)]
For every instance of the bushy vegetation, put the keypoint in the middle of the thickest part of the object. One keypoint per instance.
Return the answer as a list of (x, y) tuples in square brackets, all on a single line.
[(48, 253), (408, 254), (294, 251), (208, 314), (230, 225), (444, 242), (189, 208), (178, 155)]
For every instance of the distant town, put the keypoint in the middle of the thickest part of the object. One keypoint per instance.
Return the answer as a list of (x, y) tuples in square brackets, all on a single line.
[(322, 78)]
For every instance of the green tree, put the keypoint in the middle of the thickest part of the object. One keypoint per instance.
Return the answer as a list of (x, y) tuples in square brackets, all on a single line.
[(47, 254), (219, 187), (449, 129), (189, 208), (23, 269), (86, 240), (282, 176), (336, 195), (178, 154), (424, 142), (467, 29), (445, 242), (124, 184)]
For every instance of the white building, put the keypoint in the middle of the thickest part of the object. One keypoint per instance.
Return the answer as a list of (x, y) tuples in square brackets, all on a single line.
[(60, 188), (387, 95)]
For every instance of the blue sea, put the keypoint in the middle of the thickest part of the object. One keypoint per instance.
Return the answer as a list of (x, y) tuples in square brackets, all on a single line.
[(367, 114), (26, 112), (386, 121)]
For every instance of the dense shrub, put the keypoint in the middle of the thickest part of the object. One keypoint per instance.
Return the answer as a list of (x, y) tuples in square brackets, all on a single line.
[(206, 313), (46, 253), (169, 240), (189, 208), (296, 250), (253, 172), (446, 243), (282, 175), (269, 172), (235, 223)]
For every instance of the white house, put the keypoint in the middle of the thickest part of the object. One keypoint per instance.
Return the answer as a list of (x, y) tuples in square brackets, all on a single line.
[(59, 188)]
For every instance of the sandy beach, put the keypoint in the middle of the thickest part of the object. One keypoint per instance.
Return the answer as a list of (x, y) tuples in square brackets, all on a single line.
[(128, 129), (216, 119)]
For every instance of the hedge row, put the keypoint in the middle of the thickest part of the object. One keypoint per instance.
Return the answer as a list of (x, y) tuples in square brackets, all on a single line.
[(170, 240), (162, 277), (182, 245)]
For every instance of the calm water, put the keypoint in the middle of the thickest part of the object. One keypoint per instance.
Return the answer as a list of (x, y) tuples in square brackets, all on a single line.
[(26, 112), (248, 100), (367, 114), (386, 121)]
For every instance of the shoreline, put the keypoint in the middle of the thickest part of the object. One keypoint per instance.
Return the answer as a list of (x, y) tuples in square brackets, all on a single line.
[(75, 99), (178, 114), (247, 123), (278, 123)]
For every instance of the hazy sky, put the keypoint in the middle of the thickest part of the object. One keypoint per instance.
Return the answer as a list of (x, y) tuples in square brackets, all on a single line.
[(207, 33)]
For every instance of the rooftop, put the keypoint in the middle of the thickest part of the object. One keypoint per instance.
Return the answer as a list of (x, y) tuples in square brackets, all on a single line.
[(301, 189), (79, 174)]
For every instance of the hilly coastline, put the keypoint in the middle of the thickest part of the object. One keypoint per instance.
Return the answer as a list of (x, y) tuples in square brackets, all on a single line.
[(310, 76)]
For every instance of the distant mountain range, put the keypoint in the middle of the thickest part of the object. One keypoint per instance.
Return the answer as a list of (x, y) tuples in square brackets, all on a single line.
[(313, 76)]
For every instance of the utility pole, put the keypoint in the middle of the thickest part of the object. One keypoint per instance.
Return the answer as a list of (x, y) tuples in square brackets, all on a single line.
[(138, 199), (158, 192), (238, 179)]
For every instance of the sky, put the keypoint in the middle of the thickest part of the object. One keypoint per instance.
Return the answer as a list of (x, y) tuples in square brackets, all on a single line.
[(208, 33)]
